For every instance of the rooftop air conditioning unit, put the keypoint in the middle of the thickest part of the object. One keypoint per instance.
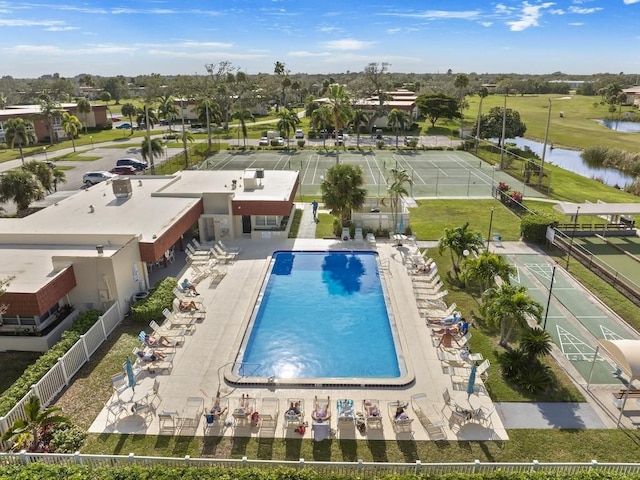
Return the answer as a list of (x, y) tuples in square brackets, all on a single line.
[(122, 187)]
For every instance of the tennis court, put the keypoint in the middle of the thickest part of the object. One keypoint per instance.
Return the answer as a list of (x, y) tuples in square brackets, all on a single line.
[(575, 319), (448, 173)]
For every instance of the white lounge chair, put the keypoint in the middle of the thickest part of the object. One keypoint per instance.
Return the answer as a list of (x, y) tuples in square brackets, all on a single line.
[(191, 413), (346, 414), (216, 421), (401, 423), (372, 414), (346, 236), (228, 249), (269, 412), (426, 414), (294, 417), (242, 414), (358, 236)]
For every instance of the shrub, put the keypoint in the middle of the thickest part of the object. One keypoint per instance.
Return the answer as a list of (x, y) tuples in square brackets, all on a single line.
[(34, 372), (534, 227), (503, 187), (66, 438), (301, 143), (380, 144), (161, 297)]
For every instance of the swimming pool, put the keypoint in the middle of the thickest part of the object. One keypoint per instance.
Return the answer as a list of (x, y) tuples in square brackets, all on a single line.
[(322, 317)]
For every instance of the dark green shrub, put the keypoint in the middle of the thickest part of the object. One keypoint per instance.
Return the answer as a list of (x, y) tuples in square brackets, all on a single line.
[(301, 143), (34, 372), (66, 438), (161, 297), (534, 227), (380, 144)]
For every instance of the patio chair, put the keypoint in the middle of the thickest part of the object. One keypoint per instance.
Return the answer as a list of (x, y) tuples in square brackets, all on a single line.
[(216, 275), (371, 238), (346, 415), (227, 248), (175, 334), (177, 320), (483, 415), (401, 422), (120, 384), (146, 405), (358, 236), (243, 412), (191, 412), (165, 364), (168, 421), (200, 311), (223, 255), (294, 414), (448, 401), (497, 239), (427, 288), (213, 421), (143, 337), (346, 236), (425, 413), (481, 370), (436, 317), (269, 415), (372, 414)]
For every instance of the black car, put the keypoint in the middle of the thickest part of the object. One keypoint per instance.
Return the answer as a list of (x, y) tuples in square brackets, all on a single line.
[(139, 165)]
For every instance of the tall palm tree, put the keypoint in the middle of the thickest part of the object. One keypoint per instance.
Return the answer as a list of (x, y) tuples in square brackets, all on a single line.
[(106, 98), (129, 110), (320, 120), (30, 429), (50, 111), (288, 120), (84, 108), (397, 191), (18, 131), (457, 240), (42, 172), (156, 148), (149, 116), (22, 187), (167, 109), (359, 117), (208, 112), (71, 126), (484, 268), (508, 307), (340, 107), (342, 190), (242, 116), (398, 120)]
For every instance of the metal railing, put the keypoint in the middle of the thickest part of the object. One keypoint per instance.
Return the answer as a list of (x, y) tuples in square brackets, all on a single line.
[(59, 376), (364, 469)]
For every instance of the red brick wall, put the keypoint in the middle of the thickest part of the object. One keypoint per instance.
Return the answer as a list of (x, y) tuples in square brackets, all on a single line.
[(30, 304), (261, 208), (153, 251)]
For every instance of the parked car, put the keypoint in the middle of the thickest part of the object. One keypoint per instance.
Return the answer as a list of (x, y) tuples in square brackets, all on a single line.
[(139, 165), (124, 125), (115, 119), (299, 134), (280, 141), (124, 170), (50, 164), (91, 178), (264, 142)]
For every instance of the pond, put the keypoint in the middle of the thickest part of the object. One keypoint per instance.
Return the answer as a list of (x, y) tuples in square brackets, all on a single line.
[(620, 126), (572, 161)]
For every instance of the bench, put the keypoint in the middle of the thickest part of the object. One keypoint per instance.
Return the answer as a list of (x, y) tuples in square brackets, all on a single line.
[(632, 394)]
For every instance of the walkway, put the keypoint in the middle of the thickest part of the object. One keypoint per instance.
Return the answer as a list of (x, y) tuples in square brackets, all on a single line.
[(307, 227)]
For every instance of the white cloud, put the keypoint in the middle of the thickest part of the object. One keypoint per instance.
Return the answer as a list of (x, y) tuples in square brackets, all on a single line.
[(205, 44), (576, 24), (346, 44), (437, 14), (629, 2), (4, 22), (584, 11), (486, 24), (51, 50), (61, 29), (529, 16), (391, 31), (308, 54)]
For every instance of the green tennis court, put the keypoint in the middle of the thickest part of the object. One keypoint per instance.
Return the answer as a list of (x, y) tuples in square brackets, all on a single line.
[(574, 320), (448, 173)]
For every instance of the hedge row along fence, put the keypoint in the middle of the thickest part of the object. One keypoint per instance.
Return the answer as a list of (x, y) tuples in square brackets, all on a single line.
[(47, 360)]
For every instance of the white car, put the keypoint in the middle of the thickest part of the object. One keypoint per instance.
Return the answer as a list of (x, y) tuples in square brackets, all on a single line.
[(299, 134), (264, 142), (280, 141), (91, 178)]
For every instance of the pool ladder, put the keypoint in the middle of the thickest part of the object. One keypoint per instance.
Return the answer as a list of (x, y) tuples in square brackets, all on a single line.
[(385, 266)]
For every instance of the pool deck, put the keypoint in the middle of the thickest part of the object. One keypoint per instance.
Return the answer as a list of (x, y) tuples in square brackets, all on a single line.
[(198, 365)]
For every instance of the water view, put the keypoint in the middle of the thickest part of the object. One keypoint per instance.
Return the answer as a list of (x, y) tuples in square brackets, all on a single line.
[(571, 160), (621, 126)]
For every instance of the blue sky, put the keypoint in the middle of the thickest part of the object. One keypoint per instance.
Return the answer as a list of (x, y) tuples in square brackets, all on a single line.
[(111, 37)]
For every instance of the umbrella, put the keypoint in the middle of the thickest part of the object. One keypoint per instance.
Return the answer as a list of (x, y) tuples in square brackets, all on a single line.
[(401, 225), (472, 379), (131, 378)]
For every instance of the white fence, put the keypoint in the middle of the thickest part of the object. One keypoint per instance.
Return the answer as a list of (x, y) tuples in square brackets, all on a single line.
[(56, 379), (364, 469)]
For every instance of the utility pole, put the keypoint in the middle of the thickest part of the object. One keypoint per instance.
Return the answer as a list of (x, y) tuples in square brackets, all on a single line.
[(544, 147), (504, 129)]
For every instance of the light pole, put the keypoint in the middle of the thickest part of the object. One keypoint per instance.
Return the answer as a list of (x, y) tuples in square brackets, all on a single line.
[(46, 158), (575, 227), (546, 312), (504, 130), (478, 127), (490, 225), (544, 147), (91, 138)]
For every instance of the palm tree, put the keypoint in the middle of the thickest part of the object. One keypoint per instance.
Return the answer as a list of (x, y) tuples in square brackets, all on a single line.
[(458, 240), (84, 107), (398, 120), (42, 172), (156, 148), (129, 110), (508, 306), (342, 191), (359, 117), (209, 111), (242, 116), (150, 118), (320, 120), (340, 111), (106, 98), (16, 130), (71, 126), (484, 268), (535, 342), (49, 112), (397, 192), (167, 108), (28, 430), (22, 187), (287, 123)]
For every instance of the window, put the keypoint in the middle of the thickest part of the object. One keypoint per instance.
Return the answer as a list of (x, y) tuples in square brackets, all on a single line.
[(266, 221)]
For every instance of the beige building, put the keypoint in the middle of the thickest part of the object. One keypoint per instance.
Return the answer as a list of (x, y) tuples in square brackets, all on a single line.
[(94, 248)]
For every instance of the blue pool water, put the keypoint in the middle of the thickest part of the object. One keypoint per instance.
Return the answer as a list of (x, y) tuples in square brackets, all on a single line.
[(322, 315)]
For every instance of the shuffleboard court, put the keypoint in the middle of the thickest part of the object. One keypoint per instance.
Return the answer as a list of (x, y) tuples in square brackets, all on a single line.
[(447, 173), (616, 259), (575, 320)]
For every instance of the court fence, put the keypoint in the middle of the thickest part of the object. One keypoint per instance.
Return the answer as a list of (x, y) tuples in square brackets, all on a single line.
[(595, 264), (361, 468)]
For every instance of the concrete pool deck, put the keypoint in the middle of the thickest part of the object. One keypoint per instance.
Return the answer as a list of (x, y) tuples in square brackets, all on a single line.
[(199, 364)]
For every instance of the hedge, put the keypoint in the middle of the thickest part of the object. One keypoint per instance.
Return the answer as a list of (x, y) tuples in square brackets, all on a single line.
[(162, 472), (161, 297), (34, 372)]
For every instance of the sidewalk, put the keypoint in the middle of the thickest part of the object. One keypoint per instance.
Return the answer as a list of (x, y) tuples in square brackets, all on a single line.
[(307, 223)]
